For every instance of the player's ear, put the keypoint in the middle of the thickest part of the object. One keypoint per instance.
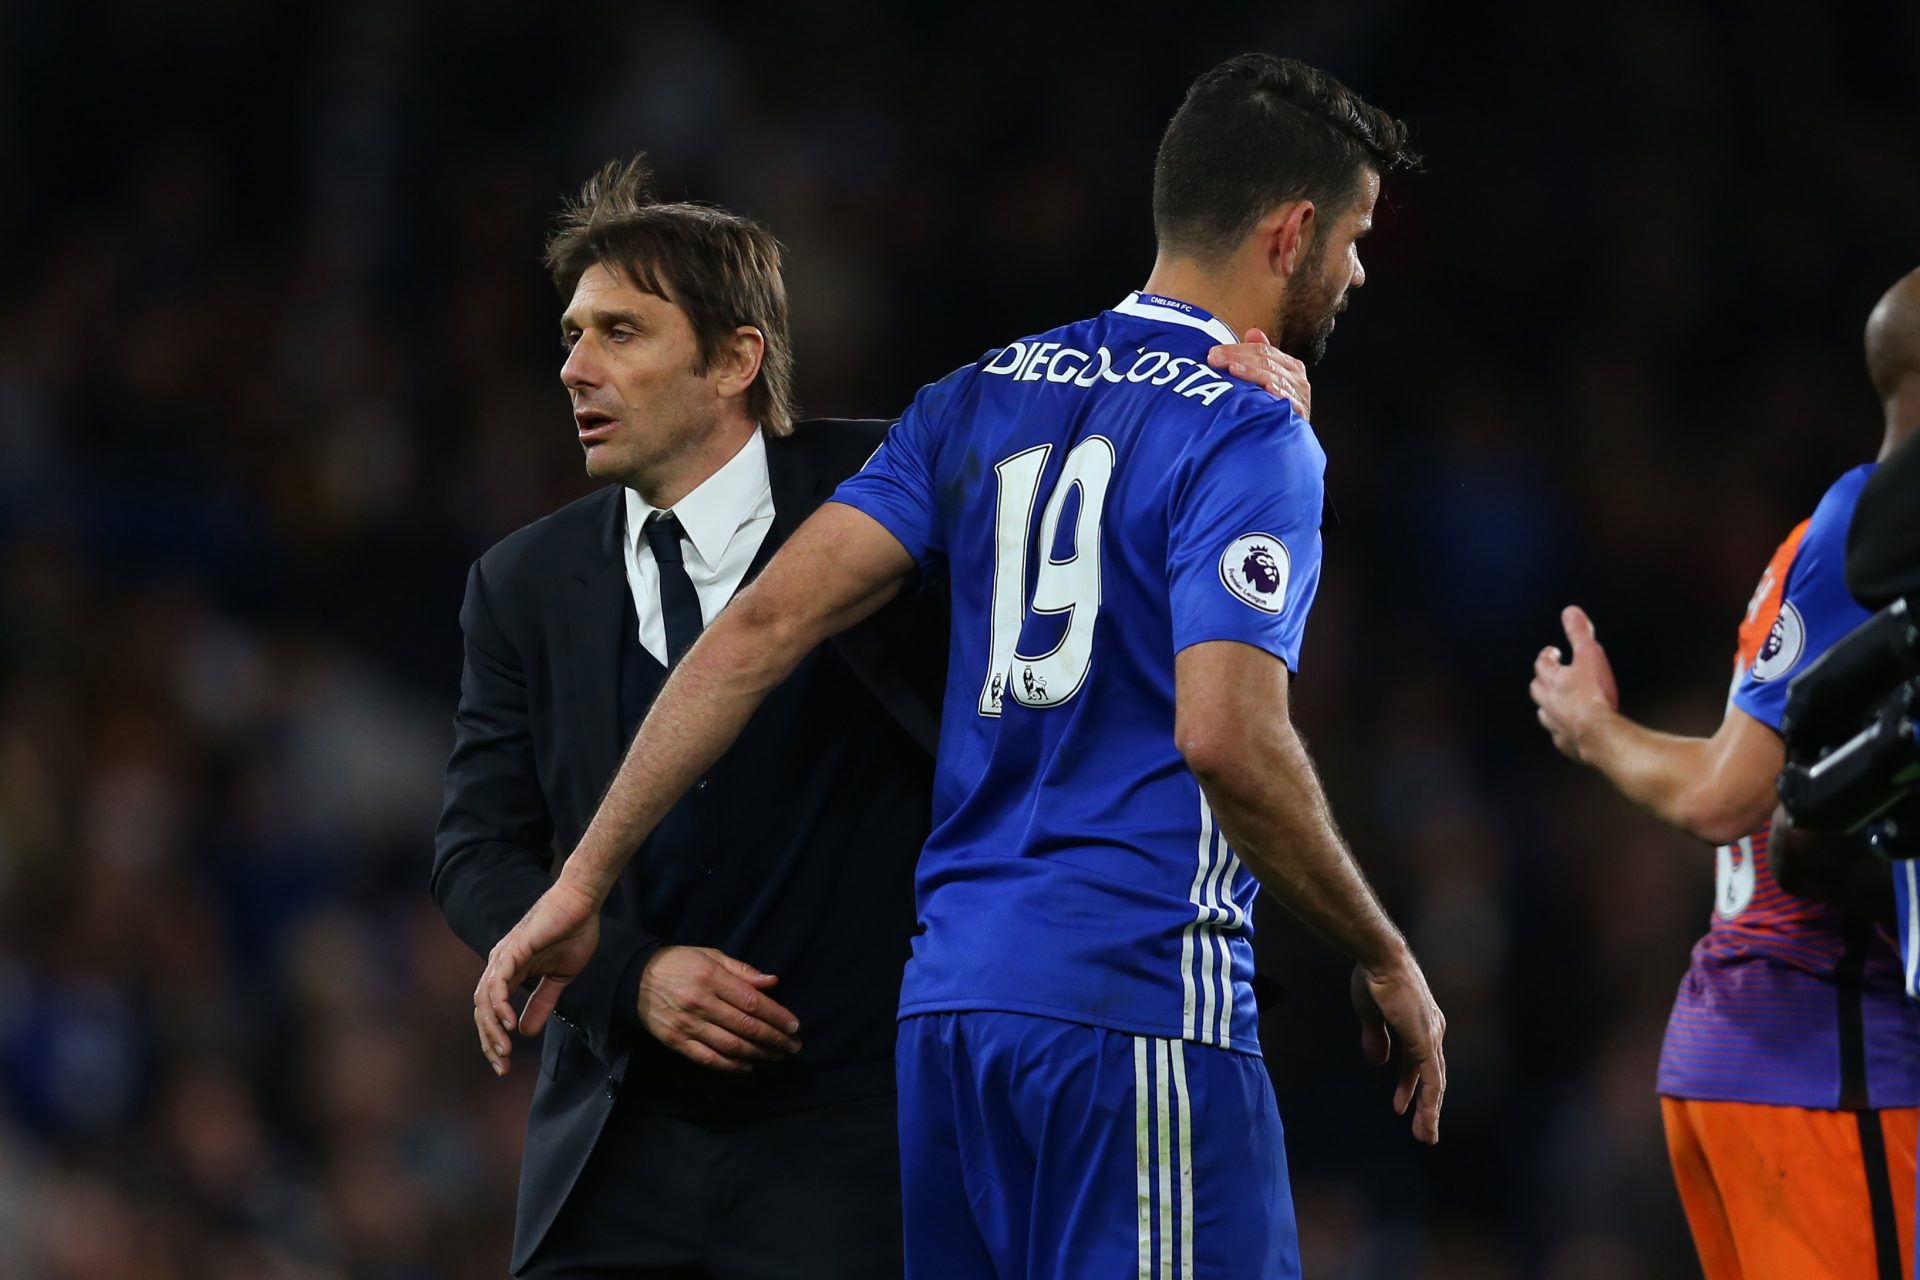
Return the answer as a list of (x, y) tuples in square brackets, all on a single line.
[(1291, 237), (737, 363)]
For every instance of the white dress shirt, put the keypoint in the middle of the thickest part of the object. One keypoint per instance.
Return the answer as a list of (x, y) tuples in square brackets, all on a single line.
[(725, 519)]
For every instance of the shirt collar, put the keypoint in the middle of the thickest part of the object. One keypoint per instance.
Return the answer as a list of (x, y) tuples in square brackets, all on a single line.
[(713, 511), (1152, 306)]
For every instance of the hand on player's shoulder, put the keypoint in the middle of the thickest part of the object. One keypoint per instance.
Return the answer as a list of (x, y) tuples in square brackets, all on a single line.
[(1258, 362)]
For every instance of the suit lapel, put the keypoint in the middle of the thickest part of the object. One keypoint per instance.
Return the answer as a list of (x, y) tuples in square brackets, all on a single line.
[(595, 606), (797, 491)]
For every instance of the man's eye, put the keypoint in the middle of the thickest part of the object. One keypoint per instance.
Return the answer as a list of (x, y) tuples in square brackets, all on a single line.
[(568, 338), (621, 333)]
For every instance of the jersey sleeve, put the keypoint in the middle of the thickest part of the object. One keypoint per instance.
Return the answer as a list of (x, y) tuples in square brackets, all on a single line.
[(898, 486), (1243, 536), (1815, 608)]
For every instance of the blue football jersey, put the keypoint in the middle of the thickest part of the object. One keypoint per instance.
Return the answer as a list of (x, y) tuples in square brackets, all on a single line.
[(1099, 499)]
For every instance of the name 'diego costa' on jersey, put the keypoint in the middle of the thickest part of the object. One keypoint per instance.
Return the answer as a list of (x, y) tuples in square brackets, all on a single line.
[(1052, 362)]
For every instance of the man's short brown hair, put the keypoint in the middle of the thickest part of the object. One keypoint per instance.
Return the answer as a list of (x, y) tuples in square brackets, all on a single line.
[(719, 268)]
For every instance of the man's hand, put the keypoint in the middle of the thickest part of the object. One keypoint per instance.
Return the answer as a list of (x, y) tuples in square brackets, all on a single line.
[(713, 1009), (1396, 1003), (553, 941), (1572, 695), (1266, 366)]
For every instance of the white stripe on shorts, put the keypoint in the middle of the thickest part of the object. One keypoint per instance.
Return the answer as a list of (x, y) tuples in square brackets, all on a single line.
[(1164, 1211), (1186, 1155), (1162, 1051), (1142, 1156)]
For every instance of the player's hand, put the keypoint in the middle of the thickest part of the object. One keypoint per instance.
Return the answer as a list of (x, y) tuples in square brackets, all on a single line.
[(553, 942), (1266, 366), (1396, 1005), (1571, 695), (709, 1007)]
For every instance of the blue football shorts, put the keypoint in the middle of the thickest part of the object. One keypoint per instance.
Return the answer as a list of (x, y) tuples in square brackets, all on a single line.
[(1033, 1148)]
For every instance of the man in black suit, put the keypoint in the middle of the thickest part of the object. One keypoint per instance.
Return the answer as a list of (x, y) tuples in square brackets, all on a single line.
[(719, 1098)]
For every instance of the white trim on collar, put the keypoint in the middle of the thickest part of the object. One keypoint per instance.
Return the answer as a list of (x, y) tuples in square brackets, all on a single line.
[(1131, 305)]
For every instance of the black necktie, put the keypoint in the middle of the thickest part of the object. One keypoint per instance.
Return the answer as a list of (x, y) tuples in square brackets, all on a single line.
[(679, 602)]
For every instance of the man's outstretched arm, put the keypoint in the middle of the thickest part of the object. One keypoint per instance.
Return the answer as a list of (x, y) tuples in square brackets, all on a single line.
[(838, 568), (1716, 789)]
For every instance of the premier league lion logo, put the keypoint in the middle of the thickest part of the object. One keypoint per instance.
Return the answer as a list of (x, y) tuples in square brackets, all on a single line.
[(1785, 642), (1255, 568), (1261, 569), (1776, 640)]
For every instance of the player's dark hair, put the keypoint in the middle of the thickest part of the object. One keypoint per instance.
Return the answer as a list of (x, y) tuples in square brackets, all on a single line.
[(1255, 132), (721, 269)]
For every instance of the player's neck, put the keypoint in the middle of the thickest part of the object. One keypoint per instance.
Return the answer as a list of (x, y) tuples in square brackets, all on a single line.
[(1212, 288), (1903, 416)]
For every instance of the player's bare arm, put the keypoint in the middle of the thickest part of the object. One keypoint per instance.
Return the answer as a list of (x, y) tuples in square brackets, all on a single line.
[(838, 568), (1716, 789), (1233, 728)]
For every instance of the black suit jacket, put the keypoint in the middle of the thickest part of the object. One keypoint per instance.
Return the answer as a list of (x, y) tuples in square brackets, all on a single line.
[(538, 735)]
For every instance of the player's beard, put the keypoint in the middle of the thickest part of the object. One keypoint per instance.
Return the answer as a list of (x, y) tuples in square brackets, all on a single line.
[(1307, 323)]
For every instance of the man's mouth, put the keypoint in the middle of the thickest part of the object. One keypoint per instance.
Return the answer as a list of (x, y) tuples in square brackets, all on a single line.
[(595, 424)]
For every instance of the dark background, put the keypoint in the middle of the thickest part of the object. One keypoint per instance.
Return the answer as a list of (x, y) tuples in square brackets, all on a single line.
[(277, 360)]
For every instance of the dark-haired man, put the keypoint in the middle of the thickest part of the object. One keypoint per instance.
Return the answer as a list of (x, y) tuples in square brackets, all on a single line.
[(1115, 754), (697, 1115), (679, 1126)]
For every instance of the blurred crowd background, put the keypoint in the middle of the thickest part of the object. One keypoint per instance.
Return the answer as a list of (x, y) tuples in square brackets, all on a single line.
[(277, 360)]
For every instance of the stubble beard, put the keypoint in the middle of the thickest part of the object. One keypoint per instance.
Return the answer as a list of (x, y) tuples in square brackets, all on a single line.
[(1307, 322), (642, 463), (603, 462)]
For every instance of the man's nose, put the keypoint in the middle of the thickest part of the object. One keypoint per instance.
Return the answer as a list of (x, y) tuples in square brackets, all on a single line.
[(579, 371), (1359, 274)]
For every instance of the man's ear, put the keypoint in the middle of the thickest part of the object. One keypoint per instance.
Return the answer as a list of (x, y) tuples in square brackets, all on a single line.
[(738, 361), (1289, 232)]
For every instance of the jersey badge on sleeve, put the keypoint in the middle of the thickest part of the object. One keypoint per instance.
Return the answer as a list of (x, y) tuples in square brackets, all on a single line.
[(1255, 567), (1785, 643)]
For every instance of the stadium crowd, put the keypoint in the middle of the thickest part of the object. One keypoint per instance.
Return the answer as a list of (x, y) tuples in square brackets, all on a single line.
[(277, 360)]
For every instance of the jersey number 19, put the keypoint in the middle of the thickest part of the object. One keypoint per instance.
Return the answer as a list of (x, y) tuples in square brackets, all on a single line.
[(1070, 586)]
